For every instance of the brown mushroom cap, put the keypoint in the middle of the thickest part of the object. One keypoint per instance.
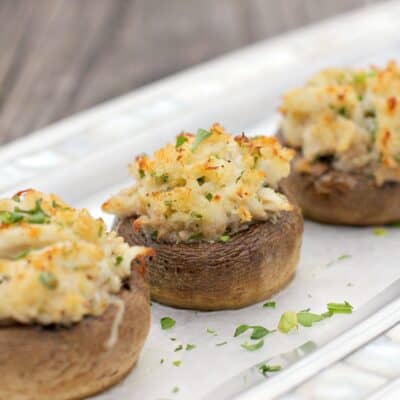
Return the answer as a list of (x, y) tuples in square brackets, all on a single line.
[(38, 363), (252, 266), (336, 197)]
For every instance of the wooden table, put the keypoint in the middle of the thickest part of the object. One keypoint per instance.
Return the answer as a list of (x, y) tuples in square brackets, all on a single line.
[(58, 57)]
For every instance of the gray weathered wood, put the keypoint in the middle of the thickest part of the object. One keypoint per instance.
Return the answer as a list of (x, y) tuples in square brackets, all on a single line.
[(58, 57)]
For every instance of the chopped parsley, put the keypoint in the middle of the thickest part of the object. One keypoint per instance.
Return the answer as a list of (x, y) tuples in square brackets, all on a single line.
[(224, 238), (379, 232), (48, 280), (209, 196), (190, 347), (306, 318), (201, 135), (201, 180), (222, 343), (118, 260), (291, 320), (288, 322), (180, 140), (194, 214), (269, 304), (253, 346), (212, 331), (265, 368), (162, 361), (176, 363), (175, 389), (34, 216), (258, 332), (196, 236), (141, 174), (23, 254), (167, 323), (340, 308), (342, 111), (179, 348)]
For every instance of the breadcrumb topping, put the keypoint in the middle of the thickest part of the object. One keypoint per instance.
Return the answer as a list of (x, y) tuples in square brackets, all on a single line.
[(57, 264), (205, 186), (351, 115)]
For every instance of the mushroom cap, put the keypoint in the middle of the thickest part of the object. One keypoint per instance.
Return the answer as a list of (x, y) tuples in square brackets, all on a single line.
[(345, 198), (252, 266), (64, 363)]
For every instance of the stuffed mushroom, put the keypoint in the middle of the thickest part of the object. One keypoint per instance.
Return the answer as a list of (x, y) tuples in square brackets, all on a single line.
[(73, 312), (211, 207), (344, 125)]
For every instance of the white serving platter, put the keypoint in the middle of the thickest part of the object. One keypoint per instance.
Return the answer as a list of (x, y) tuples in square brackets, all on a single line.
[(84, 159)]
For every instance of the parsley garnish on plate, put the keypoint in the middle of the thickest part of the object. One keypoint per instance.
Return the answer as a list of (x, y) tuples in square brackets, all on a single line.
[(175, 389), (340, 308), (288, 322), (179, 348), (269, 304), (190, 347), (265, 368), (253, 346), (222, 343), (291, 320), (379, 232), (167, 323), (224, 238), (258, 332), (176, 363)]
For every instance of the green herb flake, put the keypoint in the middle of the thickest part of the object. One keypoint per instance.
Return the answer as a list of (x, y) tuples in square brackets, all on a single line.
[(167, 323), (288, 322), (307, 319), (265, 368), (340, 308), (224, 238), (201, 135), (179, 348), (48, 280), (118, 260), (175, 389), (344, 257), (201, 180), (197, 215), (269, 304), (241, 329), (141, 174), (196, 236), (212, 331), (379, 232), (221, 344), (190, 347), (253, 346), (209, 196), (21, 255), (342, 111), (259, 332), (176, 363), (180, 140), (162, 361)]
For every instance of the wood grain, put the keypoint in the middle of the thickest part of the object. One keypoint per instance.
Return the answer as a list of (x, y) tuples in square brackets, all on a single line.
[(59, 57)]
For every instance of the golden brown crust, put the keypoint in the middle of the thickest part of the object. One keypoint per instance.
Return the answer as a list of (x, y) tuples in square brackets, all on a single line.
[(336, 197), (252, 266), (39, 363)]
